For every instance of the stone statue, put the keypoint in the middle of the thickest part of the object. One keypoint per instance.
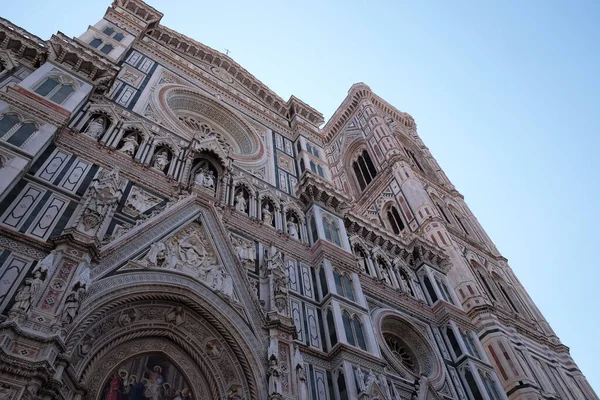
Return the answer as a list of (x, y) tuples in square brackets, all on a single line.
[(192, 251), (71, 306), (95, 128), (161, 160), (302, 384), (292, 229), (240, 202), (267, 216), (371, 380), (157, 254), (274, 377), (130, 144), (360, 378), (227, 288), (27, 292), (206, 178), (175, 315)]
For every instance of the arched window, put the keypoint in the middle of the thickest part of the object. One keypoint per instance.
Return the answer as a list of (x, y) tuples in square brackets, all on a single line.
[(54, 90), (461, 223), (48, 86), (443, 212), (313, 167), (453, 341), (490, 385), (108, 31), (118, 37), (348, 329), (7, 123), (96, 43), (430, 289), (394, 220), (302, 166), (331, 328), (414, 158), (348, 291), (443, 290), (471, 348), (323, 280), (308, 147), (341, 384), (354, 330), (15, 132), (107, 48), (472, 385), (320, 171), (332, 232), (364, 169), (343, 285), (358, 331)]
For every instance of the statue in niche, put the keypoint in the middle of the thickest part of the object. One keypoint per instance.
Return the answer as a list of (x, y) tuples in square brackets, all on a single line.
[(267, 216), (130, 144), (240, 202), (95, 128), (227, 288), (86, 345), (274, 260), (161, 159), (302, 383), (205, 178), (292, 229), (28, 292), (274, 373), (72, 304)]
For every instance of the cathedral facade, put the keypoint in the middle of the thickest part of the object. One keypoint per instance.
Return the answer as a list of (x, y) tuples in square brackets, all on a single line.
[(170, 228)]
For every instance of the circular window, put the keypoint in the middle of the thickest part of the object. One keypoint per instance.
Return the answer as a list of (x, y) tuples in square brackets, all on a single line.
[(406, 347), (401, 351), (198, 116)]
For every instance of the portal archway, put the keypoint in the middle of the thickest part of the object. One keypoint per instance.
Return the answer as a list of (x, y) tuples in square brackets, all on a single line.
[(197, 331)]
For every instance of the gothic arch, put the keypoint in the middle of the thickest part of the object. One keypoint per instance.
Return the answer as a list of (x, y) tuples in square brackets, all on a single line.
[(120, 311)]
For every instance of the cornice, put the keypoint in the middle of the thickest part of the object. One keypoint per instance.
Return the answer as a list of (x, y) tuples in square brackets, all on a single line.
[(205, 54), (33, 105), (62, 46), (204, 80), (314, 189)]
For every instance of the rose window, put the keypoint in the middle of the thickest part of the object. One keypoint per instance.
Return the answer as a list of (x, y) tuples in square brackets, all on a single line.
[(401, 351)]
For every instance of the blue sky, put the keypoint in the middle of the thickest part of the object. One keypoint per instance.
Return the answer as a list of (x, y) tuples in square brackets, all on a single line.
[(505, 94)]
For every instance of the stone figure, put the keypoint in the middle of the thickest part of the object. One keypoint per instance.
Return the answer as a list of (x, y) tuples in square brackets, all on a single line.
[(240, 202), (130, 144), (86, 345), (192, 251), (27, 292), (274, 377), (360, 378), (267, 216), (46, 263), (302, 384), (72, 304), (206, 178), (161, 160), (227, 288), (95, 128), (292, 229), (175, 315), (157, 254), (371, 380)]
